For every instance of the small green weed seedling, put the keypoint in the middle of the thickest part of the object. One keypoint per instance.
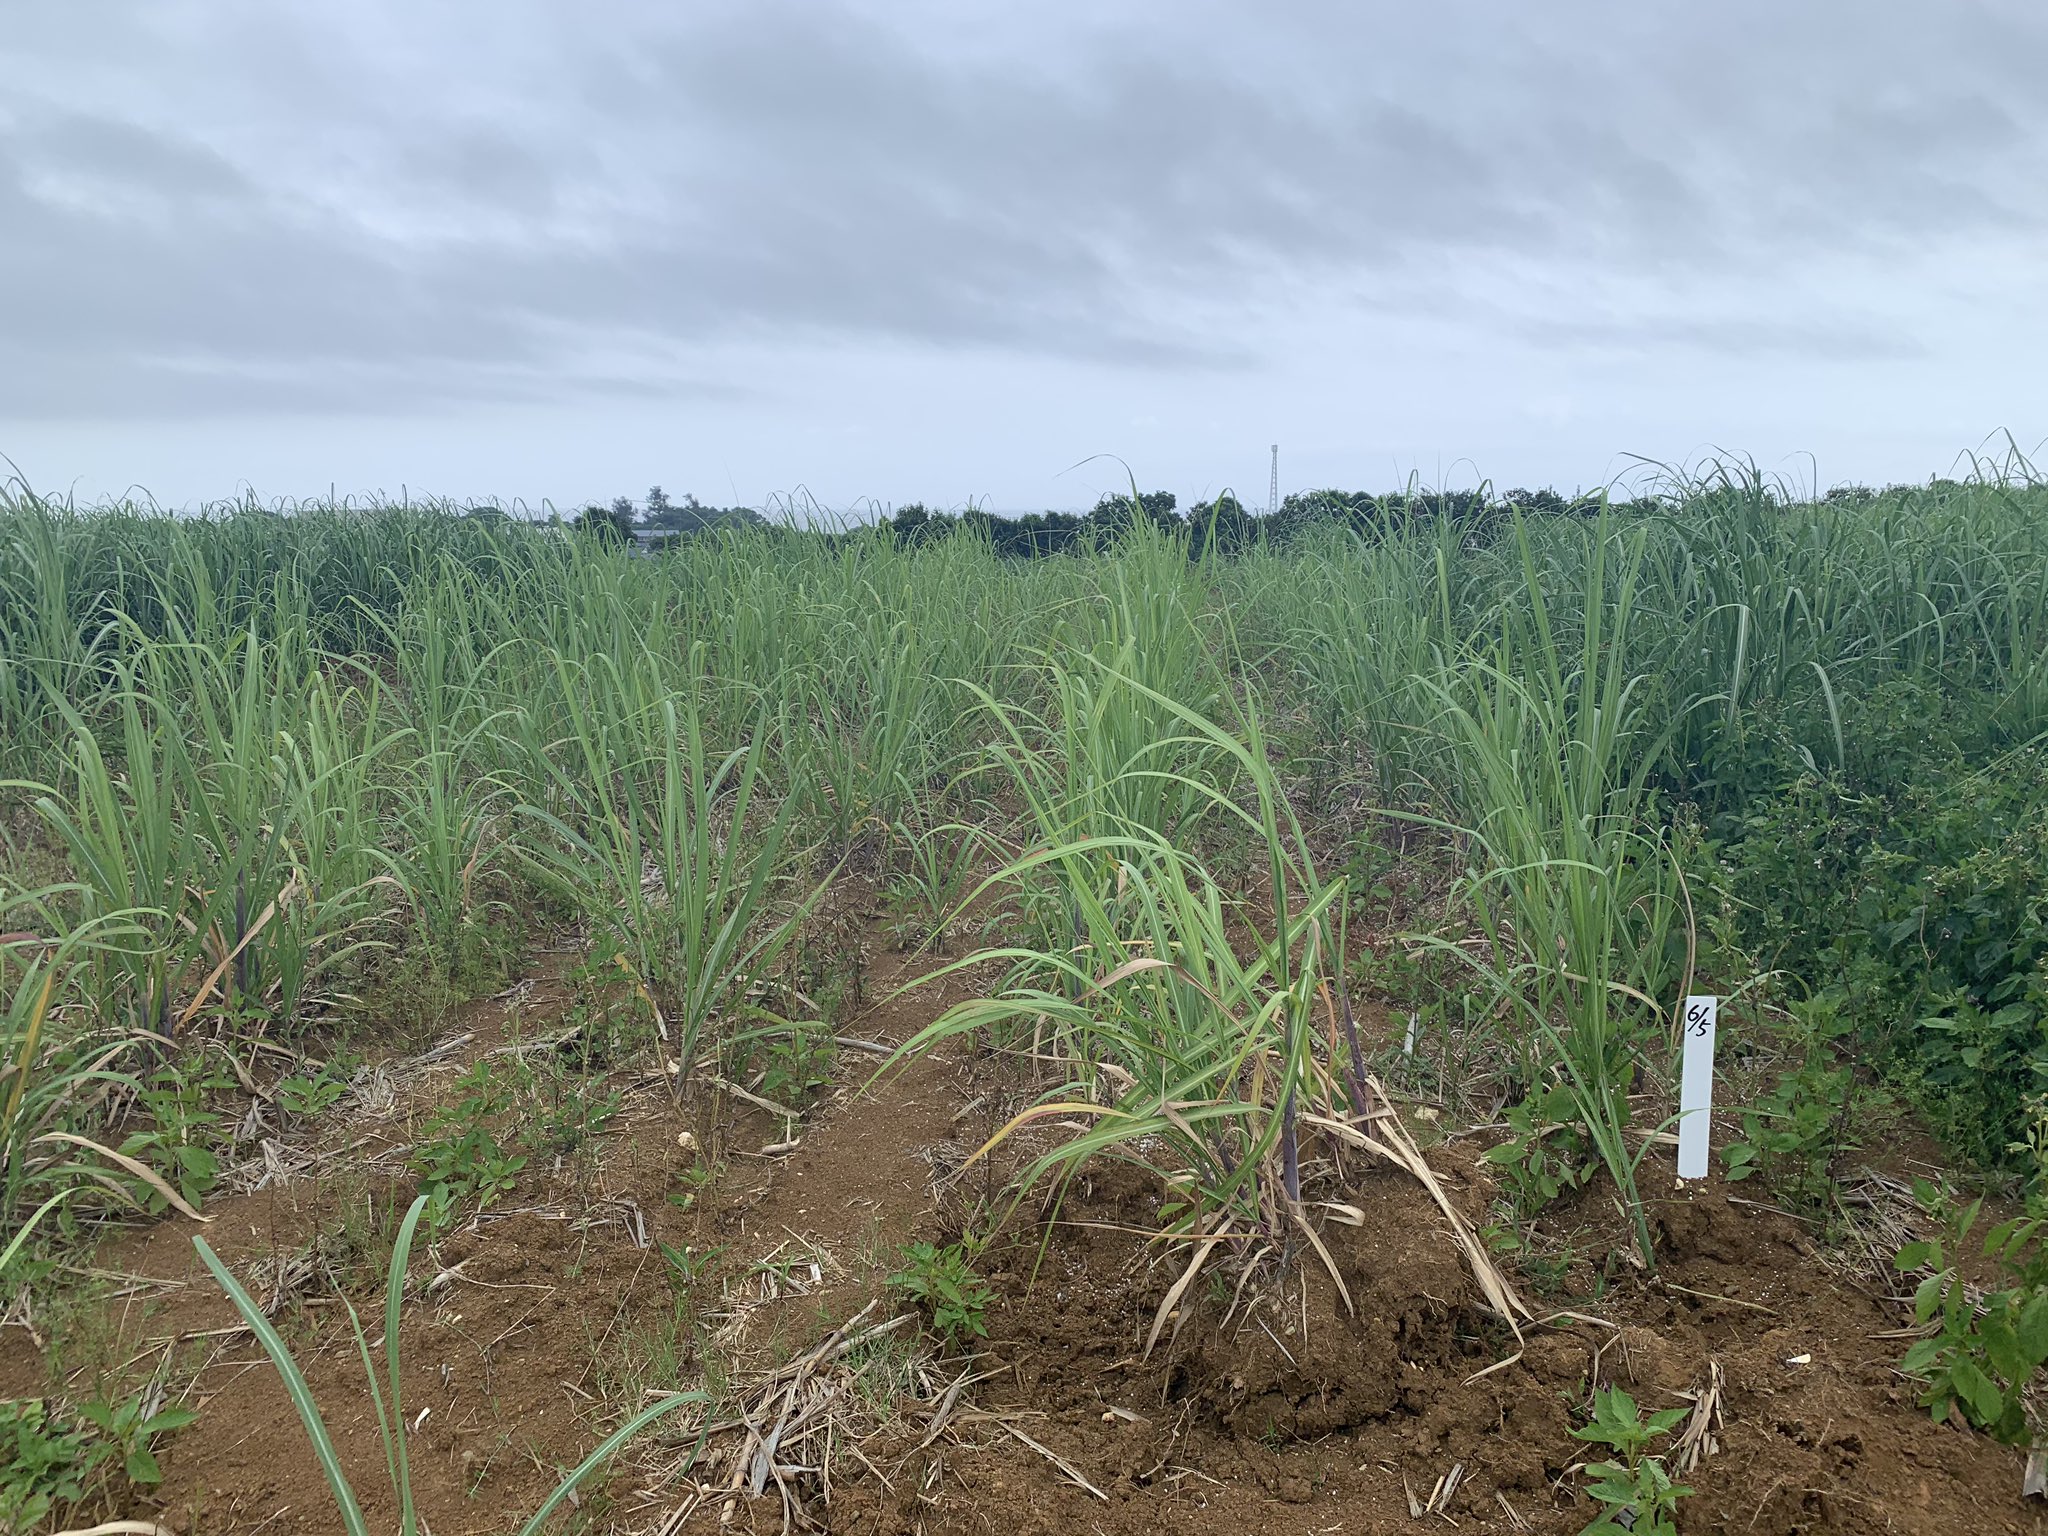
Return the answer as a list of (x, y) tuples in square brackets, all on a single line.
[(470, 1165), (46, 1466), (1636, 1488), (793, 1070), (1983, 1355), (612, 1015), (688, 1266), (130, 1434), (306, 1094), (1547, 1154), (1794, 1134), (43, 1465), (943, 1282), (460, 1159), (184, 1130), (694, 1180), (566, 1113)]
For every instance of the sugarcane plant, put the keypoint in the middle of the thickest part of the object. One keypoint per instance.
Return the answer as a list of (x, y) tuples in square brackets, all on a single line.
[(663, 848), (1196, 1031), (56, 1063)]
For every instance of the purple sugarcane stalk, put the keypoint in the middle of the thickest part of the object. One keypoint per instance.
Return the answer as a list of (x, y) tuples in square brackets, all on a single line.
[(1290, 1150), (1361, 1095), (241, 930)]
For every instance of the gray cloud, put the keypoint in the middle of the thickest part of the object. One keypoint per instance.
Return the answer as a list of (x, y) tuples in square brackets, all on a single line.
[(127, 161), (1733, 337), (229, 209)]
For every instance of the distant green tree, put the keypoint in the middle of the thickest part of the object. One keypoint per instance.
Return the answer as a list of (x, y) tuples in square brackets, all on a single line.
[(727, 517), (915, 523), (691, 515), (612, 522), (1545, 500), (1045, 533), (1035, 533), (1223, 525), (1116, 512)]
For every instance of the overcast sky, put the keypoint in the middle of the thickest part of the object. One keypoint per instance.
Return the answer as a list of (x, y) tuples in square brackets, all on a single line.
[(946, 250)]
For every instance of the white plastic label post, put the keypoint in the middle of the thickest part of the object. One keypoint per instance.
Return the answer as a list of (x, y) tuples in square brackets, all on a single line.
[(1696, 1086)]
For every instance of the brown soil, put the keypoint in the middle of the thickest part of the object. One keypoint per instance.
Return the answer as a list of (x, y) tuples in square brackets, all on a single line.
[(1274, 1408)]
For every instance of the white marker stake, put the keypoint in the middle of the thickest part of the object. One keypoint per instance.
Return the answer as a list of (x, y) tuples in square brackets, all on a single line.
[(1696, 1086)]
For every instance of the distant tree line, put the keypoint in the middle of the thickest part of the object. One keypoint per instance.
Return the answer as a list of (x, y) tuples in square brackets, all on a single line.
[(1052, 533), (660, 514), (1222, 524)]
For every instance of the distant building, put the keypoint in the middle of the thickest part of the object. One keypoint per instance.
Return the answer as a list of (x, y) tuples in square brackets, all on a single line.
[(652, 541)]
